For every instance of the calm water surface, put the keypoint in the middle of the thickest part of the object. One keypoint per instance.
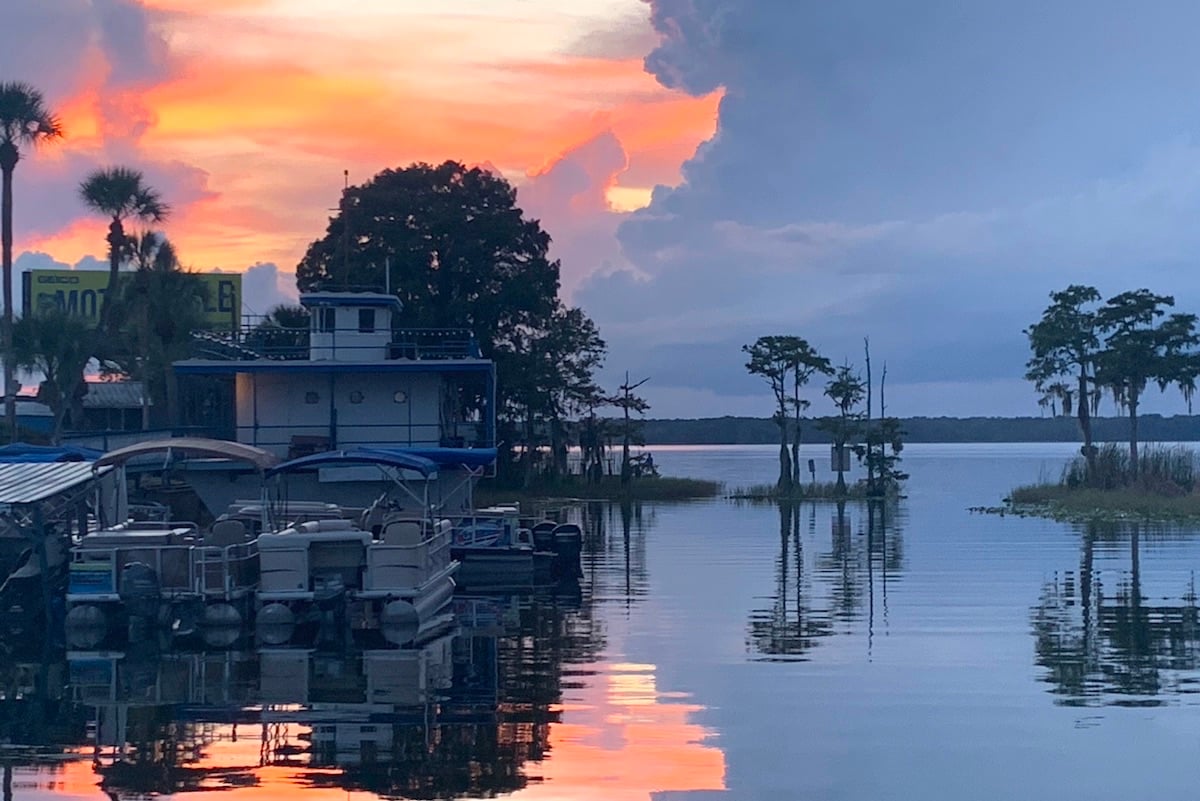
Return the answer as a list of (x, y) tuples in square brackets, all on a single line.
[(712, 650)]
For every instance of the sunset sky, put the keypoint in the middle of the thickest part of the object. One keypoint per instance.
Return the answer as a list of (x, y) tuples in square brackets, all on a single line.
[(710, 170)]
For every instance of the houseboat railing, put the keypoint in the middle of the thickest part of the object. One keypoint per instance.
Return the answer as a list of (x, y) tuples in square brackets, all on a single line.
[(300, 440), (268, 341)]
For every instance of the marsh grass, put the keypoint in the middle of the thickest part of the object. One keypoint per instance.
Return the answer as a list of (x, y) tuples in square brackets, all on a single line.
[(1164, 486)]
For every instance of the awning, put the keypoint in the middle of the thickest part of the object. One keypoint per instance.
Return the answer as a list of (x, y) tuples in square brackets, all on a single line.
[(192, 447), (32, 482), (455, 457), (383, 457)]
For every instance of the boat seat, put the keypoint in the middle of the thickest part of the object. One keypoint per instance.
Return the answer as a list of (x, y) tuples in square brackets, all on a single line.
[(372, 518), (225, 533), (402, 532)]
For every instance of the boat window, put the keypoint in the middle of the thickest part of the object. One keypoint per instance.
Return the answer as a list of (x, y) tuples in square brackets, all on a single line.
[(311, 397), (356, 396), (366, 321), (328, 318), (400, 396)]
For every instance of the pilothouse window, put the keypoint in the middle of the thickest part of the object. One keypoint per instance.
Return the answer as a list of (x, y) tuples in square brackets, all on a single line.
[(327, 319), (366, 321)]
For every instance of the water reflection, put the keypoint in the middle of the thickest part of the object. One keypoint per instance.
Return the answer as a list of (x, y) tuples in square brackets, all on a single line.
[(1117, 647), (847, 582), (459, 715)]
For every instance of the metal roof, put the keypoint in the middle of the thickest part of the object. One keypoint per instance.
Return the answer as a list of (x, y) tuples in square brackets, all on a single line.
[(193, 447), (115, 395), (350, 299), (31, 482)]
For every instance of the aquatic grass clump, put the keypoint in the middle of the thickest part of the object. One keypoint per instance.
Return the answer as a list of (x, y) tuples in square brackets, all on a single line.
[(1161, 469), (1164, 487)]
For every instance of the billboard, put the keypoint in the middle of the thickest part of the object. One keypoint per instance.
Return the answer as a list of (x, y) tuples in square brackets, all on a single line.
[(81, 292)]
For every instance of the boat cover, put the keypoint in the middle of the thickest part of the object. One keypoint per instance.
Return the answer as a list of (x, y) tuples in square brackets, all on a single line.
[(195, 447), (402, 458), (453, 457)]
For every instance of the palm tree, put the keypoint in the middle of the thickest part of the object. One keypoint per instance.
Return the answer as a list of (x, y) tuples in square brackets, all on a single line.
[(24, 120), (57, 345), (162, 305), (122, 194)]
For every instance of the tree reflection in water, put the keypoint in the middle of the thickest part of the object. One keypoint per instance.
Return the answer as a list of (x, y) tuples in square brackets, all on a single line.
[(1118, 650), (847, 583)]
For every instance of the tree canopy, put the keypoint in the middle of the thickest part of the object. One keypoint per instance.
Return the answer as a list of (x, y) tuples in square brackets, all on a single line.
[(451, 243), (786, 362), (459, 250)]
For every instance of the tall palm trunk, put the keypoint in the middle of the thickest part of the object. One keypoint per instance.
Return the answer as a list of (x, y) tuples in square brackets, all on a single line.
[(116, 244), (8, 162)]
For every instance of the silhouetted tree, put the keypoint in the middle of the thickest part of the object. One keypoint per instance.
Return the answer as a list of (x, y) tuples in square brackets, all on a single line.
[(1065, 343), (24, 121), (158, 306), (460, 254), (846, 389), (629, 404), (783, 362), (121, 194), (1139, 349), (58, 346)]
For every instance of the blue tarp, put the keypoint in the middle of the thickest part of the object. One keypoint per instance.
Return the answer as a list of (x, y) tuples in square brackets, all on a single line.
[(21, 452)]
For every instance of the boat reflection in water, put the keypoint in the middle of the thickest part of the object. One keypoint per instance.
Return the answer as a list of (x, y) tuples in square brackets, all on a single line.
[(1126, 645), (459, 714)]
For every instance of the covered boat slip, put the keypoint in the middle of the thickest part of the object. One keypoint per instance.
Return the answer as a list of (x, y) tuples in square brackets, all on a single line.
[(42, 503)]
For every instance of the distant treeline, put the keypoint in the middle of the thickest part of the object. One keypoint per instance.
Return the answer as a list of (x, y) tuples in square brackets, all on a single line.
[(763, 431)]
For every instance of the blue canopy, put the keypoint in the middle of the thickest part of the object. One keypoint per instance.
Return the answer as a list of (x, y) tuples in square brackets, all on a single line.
[(384, 457), (23, 452), (453, 457)]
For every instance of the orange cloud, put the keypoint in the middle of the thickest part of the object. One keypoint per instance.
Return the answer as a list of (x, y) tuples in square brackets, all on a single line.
[(272, 125)]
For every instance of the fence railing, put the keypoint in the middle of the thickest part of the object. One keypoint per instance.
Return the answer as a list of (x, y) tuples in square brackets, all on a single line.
[(269, 341)]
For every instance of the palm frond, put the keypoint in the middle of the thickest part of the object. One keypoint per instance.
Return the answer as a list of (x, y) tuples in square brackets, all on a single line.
[(24, 118)]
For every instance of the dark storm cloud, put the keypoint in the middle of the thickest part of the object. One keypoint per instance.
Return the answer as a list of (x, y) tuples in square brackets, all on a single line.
[(921, 173)]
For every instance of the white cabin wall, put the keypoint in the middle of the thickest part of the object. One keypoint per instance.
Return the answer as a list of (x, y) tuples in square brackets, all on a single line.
[(282, 412), (379, 419), (279, 401)]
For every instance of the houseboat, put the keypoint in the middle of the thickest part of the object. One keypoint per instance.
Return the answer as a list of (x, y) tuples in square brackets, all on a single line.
[(352, 379)]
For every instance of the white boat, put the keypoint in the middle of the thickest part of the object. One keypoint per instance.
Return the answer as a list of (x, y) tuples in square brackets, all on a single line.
[(389, 570)]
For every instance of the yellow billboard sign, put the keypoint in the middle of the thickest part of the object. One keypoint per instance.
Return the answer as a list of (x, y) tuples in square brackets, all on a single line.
[(81, 292)]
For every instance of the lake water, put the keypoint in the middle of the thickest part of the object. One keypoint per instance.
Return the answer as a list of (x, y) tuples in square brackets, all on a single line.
[(713, 650)]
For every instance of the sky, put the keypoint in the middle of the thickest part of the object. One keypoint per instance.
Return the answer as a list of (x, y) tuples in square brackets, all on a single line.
[(711, 171)]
